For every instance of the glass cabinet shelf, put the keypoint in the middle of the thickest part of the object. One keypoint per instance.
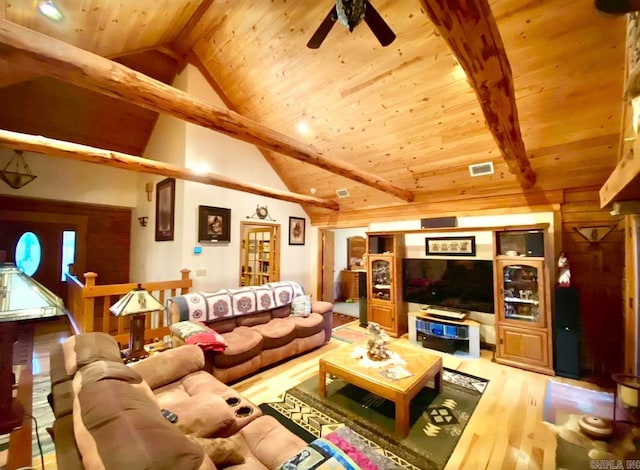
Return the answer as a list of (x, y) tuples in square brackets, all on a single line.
[(520, 291), (521, 301), (381, 279)]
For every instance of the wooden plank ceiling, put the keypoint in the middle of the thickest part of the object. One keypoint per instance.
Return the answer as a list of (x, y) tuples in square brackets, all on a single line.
[(405, 113)]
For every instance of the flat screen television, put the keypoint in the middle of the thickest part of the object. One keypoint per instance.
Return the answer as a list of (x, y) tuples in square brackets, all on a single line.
[(465, 284)]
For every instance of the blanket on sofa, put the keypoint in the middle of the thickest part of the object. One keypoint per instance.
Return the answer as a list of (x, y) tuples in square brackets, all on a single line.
[(340, 449), (227, 303)]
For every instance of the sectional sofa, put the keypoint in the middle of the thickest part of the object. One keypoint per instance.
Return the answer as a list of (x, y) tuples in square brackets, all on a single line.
[(108, 414), (257, 323)]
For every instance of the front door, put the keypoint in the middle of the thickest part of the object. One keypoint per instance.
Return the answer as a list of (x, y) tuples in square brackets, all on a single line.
[(49, 233)]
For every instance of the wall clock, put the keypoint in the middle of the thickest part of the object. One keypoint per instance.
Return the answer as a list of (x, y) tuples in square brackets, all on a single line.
[(262, 213)]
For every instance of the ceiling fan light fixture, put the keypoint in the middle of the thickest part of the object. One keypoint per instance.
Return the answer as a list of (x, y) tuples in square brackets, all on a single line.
[(351, 13), (16, 172), (50, 10)]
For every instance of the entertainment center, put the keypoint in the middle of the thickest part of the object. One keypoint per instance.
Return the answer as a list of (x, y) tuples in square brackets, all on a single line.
[(513, 284)]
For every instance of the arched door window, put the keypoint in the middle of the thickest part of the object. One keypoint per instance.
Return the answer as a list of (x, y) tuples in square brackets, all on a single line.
[(28, 253)]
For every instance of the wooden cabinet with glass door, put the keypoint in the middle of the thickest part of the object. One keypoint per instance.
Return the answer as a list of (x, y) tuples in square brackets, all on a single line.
[(384, 264), (523, 323)]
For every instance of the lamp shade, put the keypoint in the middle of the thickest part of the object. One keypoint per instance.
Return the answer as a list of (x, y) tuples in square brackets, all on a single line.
[(24, 298), (136, 301)]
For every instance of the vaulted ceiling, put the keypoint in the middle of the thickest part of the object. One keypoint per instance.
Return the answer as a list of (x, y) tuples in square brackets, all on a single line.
[(405, 113)]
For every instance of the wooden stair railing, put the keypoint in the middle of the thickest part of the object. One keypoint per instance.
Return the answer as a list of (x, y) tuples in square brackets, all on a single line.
[(89, 305)]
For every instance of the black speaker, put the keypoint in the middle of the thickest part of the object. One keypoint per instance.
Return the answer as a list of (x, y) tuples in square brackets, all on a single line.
[(363, 312), (362, 285), (439, 222), (567, 353), (566, 308), (567, 331), (534, 242)]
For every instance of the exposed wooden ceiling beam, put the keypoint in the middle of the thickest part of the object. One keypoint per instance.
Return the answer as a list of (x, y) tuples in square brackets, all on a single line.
[(12, 75), (195, 28), (624, 181), (71, 64), (470, 29), (84, 153)]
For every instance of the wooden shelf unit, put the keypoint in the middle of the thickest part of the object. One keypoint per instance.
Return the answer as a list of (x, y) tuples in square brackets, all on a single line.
[(523, 309), (471, 339), (384, 282)]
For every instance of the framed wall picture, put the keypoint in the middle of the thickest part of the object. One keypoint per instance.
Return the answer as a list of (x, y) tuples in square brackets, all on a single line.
[(296, 230), (165, 209), (451, 246), (214, 224)]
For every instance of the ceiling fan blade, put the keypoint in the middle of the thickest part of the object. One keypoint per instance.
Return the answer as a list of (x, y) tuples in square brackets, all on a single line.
[(323, 29), (378, 25), (617, 7)]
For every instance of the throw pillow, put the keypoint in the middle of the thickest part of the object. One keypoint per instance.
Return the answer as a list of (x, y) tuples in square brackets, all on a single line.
[(192, 332), (224, 452), (301, 306)]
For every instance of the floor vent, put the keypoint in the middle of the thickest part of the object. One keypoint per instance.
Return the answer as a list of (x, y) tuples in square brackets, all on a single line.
[(481, 169), (342, 192)]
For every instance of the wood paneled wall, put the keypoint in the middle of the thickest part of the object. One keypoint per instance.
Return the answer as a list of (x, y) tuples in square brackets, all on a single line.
[(597, 270), (108, 234)]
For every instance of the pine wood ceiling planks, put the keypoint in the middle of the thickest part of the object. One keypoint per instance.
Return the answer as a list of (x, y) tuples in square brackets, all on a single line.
[(399, 110)]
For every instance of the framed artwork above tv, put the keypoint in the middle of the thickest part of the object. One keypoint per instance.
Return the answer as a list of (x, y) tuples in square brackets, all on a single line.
[(451, 246)]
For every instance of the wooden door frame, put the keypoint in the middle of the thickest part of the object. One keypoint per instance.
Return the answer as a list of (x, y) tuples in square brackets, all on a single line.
[(322, 232), (632, 295)]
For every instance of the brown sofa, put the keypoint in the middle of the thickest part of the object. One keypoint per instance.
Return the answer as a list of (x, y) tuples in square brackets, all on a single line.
[(108, 415), (257, 324)]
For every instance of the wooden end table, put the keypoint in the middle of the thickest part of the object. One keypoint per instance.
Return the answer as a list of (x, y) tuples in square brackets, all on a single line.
[(632, 382), (422, 365)]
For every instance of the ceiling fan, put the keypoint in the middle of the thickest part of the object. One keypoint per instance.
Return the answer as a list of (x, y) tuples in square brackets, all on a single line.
[(617, 7), (351, 13)]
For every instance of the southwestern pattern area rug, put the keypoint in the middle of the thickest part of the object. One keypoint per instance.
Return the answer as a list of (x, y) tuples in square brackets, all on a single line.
[(437, 420)]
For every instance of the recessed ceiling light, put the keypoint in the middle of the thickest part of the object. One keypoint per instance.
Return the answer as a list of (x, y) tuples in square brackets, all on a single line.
[(303, 127), (200, 168), (458, 72), (50, 10)]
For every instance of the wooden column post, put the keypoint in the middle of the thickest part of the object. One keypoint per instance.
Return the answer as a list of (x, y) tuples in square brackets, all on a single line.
[(87, 320)]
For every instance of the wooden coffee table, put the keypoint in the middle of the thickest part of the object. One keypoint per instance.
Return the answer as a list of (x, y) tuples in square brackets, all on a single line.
[(421, 364)]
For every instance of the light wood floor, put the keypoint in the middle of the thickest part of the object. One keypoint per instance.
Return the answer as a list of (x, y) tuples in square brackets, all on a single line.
[(505, 432)]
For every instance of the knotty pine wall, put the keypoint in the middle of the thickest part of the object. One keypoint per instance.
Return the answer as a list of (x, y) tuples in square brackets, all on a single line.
[(597, 270), (108, 234)]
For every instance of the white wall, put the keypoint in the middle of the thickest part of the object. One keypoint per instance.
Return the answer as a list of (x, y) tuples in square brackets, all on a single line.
[(340, 237), (206, 150), (67, 180)]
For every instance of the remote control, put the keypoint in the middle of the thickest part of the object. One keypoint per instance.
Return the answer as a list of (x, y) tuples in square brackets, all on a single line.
[(169, 415)]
